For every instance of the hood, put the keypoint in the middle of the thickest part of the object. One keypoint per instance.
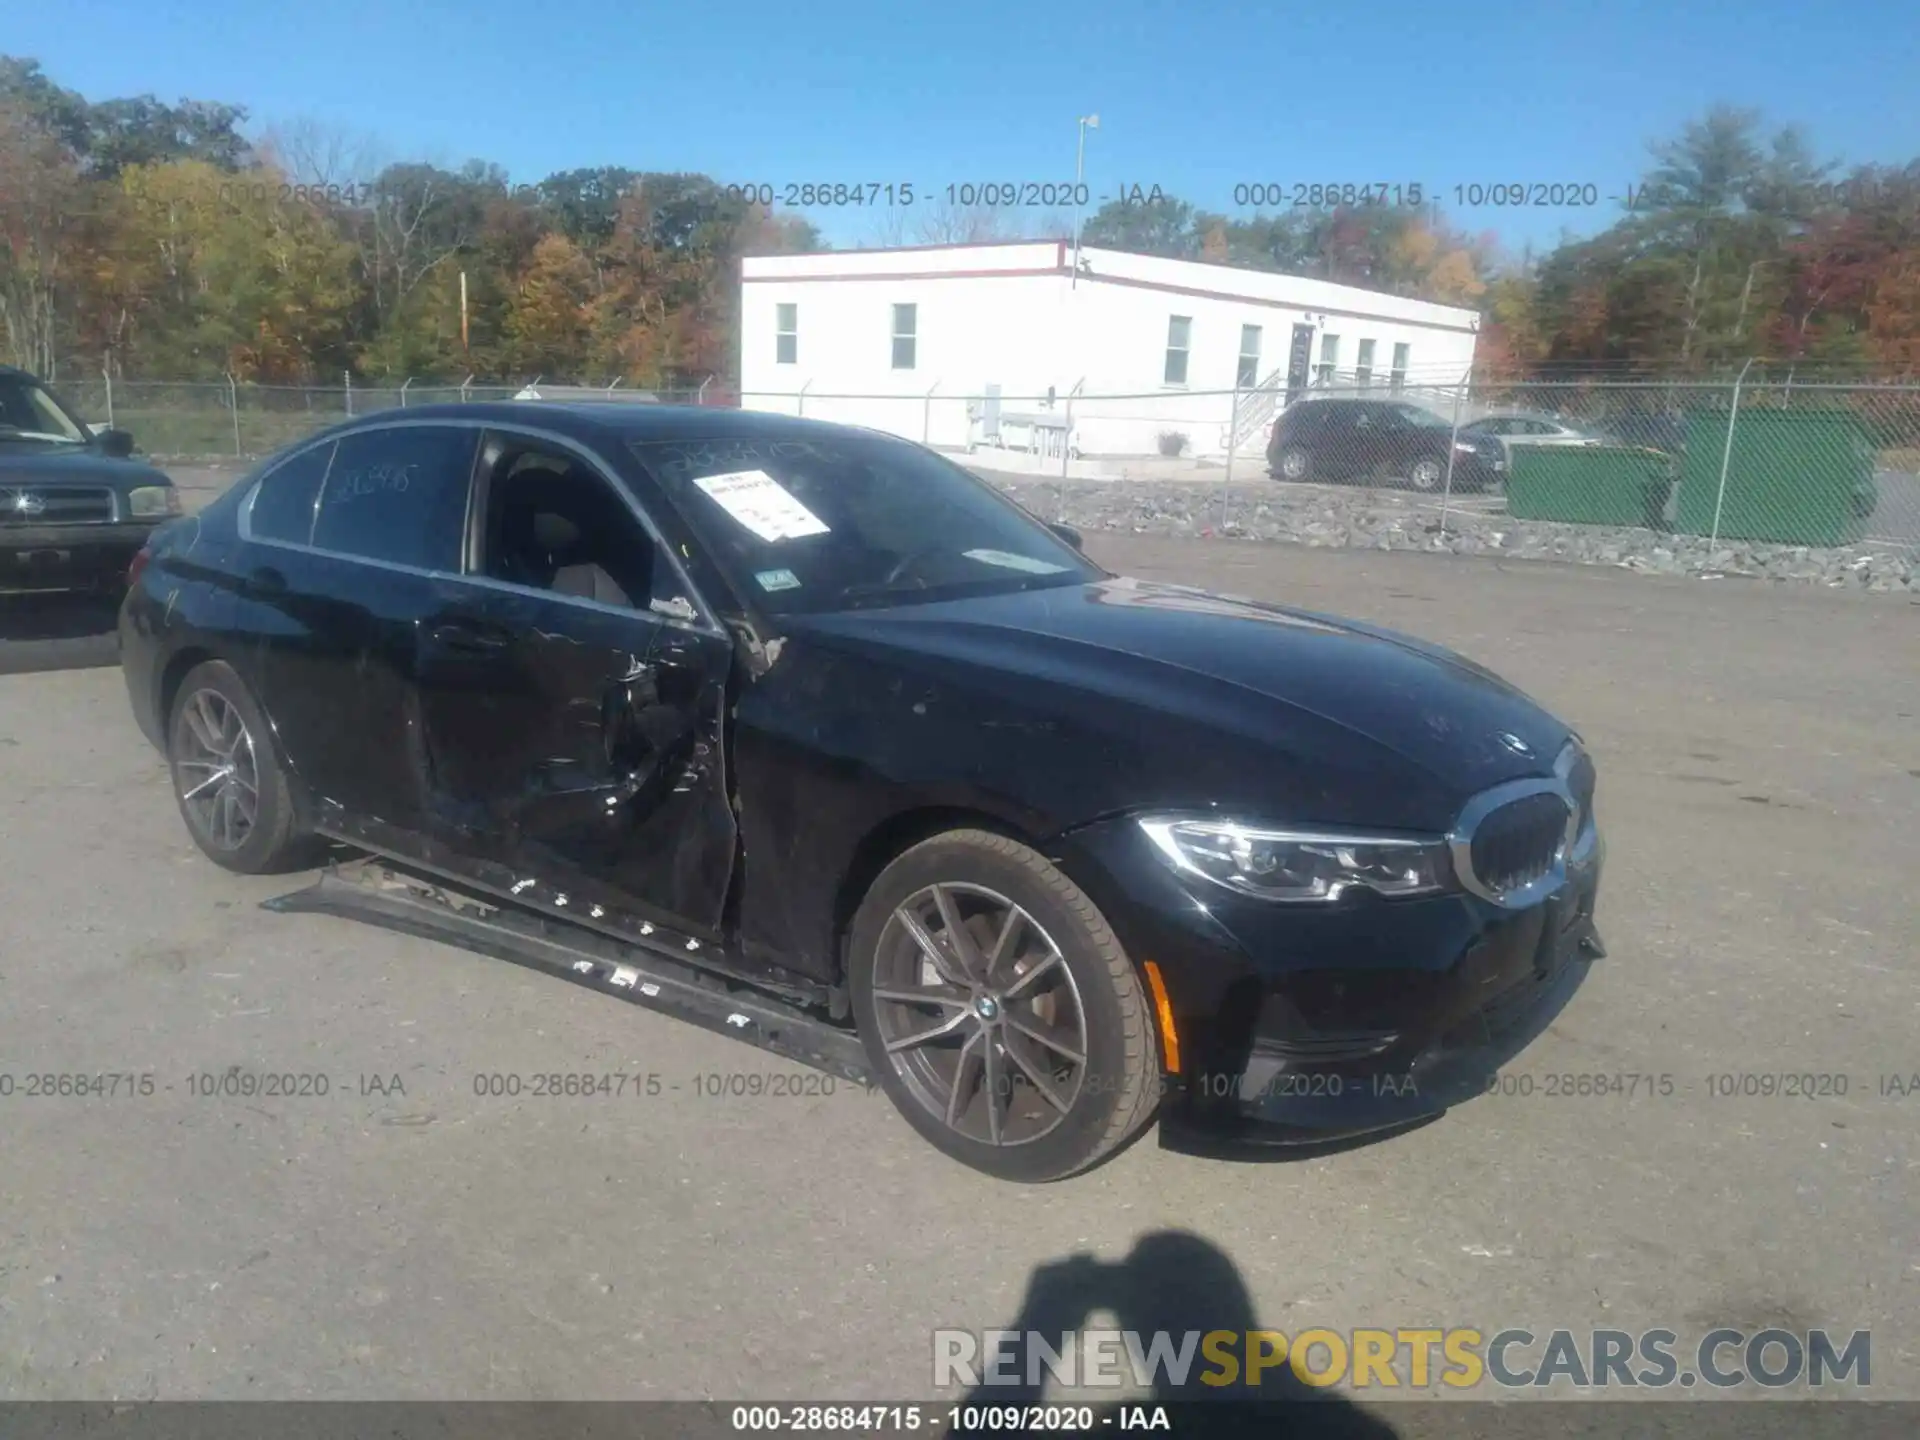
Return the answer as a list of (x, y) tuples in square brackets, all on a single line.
[(1243, 663), (23, 463)]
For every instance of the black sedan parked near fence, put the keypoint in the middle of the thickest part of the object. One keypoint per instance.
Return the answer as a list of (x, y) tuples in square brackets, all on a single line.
[(1380, 439), (819, 714)]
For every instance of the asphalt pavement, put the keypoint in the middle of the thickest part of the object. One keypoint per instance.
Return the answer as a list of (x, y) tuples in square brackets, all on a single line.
[(389, 1227)]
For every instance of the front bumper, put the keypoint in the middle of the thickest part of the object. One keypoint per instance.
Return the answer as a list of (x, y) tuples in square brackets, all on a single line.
[(61, 557), (1299, 1024), (1479, 472)]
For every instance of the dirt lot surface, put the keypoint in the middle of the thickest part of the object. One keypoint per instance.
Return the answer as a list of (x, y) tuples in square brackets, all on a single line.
[(401, 1236)]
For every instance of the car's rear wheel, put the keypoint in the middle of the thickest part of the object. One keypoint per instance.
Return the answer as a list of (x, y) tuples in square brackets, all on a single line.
[(1295, 464), (231, 788), (1426, 475), (998, 1009)]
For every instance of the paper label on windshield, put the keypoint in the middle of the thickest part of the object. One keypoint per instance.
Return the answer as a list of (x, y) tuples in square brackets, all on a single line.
[(1007, 560), (762, 504)]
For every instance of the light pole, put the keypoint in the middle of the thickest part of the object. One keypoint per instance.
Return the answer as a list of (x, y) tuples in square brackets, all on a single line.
[(1087, 122)]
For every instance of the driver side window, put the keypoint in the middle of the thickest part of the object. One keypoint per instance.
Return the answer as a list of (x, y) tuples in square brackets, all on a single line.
[(555, 523)]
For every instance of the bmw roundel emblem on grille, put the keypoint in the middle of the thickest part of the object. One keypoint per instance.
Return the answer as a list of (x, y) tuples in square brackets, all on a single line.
[(1516, 745)]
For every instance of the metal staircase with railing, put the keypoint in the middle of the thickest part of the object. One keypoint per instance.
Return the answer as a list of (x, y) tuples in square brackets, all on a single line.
[(1253, 411)]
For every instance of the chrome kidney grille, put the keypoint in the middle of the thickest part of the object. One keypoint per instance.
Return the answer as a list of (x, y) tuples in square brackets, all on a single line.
[(1579, 776), (1518, 843), (1512, 844)]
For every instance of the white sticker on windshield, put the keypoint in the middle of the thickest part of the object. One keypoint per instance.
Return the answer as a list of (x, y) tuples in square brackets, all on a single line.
[(762, 504), (1007, 560), (777, 579)]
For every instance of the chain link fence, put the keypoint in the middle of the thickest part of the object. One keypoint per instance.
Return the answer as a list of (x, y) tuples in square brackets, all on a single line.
[(1764, 462), (1775, 463), (230, 419)]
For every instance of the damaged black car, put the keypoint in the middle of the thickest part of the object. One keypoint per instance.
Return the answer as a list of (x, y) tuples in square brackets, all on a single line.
[(807, 733)]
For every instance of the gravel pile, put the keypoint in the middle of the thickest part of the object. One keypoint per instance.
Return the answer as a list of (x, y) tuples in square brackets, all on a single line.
[(1388, 520)]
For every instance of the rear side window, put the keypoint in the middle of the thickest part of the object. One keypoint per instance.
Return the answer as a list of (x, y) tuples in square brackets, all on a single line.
[(399, 495), (282, 507)]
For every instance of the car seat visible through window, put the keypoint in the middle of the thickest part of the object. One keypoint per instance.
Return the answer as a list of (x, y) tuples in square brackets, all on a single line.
[(565, 532)]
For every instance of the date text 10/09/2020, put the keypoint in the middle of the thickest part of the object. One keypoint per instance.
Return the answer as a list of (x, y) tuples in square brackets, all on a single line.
[(1474, 195), (1257, 195)]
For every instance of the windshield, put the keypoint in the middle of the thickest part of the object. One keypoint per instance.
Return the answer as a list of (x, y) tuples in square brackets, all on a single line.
[(847, 523), (28, 411), (1415, 415)]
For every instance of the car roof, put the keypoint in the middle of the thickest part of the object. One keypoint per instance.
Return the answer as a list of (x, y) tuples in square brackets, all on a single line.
[(1539, 415), (1337, 402), (611, 420)]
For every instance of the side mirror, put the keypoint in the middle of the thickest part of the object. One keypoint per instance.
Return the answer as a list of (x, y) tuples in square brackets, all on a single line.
[(1068, 534), (117, 443)]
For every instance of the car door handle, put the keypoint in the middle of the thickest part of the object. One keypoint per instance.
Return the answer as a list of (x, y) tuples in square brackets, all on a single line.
[(470, 636)]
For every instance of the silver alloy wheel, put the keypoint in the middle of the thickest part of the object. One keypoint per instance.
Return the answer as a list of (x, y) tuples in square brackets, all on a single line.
[(218, 774), (1293, 464), (1426, 475), (978, 1011)]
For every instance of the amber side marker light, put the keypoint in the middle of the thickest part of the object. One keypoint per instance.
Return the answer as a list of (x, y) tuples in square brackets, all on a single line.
[(1163, 1009)]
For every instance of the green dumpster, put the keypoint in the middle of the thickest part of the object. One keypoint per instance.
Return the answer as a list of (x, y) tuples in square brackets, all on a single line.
[(1794, 477), (1588, 484)]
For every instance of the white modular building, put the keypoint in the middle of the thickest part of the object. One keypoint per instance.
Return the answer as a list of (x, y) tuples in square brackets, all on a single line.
[(1014, 344)]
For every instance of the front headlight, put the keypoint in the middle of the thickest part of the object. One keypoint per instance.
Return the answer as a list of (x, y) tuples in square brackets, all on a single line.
[(1278, 864), (147, 501)]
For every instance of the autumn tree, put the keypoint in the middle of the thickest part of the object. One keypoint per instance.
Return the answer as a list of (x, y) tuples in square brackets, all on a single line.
[(547, 321), (43, 211)]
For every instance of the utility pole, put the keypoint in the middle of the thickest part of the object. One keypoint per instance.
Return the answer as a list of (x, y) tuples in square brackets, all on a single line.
[(1087, 122)]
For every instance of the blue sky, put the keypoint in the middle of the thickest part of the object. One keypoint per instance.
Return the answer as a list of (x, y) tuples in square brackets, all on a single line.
[(1194, 97)]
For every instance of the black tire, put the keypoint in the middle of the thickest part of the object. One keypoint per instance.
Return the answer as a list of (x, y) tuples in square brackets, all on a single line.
[(1426, 475), (1293, 464), (213, 695), (1114, 1089)]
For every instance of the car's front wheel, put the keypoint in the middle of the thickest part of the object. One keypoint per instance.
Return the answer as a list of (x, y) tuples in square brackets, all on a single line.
[(232, 791), (1294, 464), (998, 1009), (1426, 475)]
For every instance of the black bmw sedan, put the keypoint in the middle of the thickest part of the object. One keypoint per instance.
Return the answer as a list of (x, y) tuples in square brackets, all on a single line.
[(821, 713)]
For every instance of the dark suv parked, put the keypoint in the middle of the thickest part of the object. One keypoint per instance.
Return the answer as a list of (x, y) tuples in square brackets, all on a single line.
[(74, 507), (1390, 439)]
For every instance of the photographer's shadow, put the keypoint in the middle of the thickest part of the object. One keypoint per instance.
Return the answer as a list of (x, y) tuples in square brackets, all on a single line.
[(1178, 1283)]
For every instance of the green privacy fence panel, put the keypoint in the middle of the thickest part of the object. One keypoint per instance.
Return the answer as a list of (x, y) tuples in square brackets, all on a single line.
[(1794, 477), (1588, 484)]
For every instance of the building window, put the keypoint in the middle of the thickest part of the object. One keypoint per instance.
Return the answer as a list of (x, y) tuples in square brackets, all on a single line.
[(1399, 377), (1329, 360), (1179, 335), (786, 334), (906, 323), (1363, 366), (1248, 376)]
